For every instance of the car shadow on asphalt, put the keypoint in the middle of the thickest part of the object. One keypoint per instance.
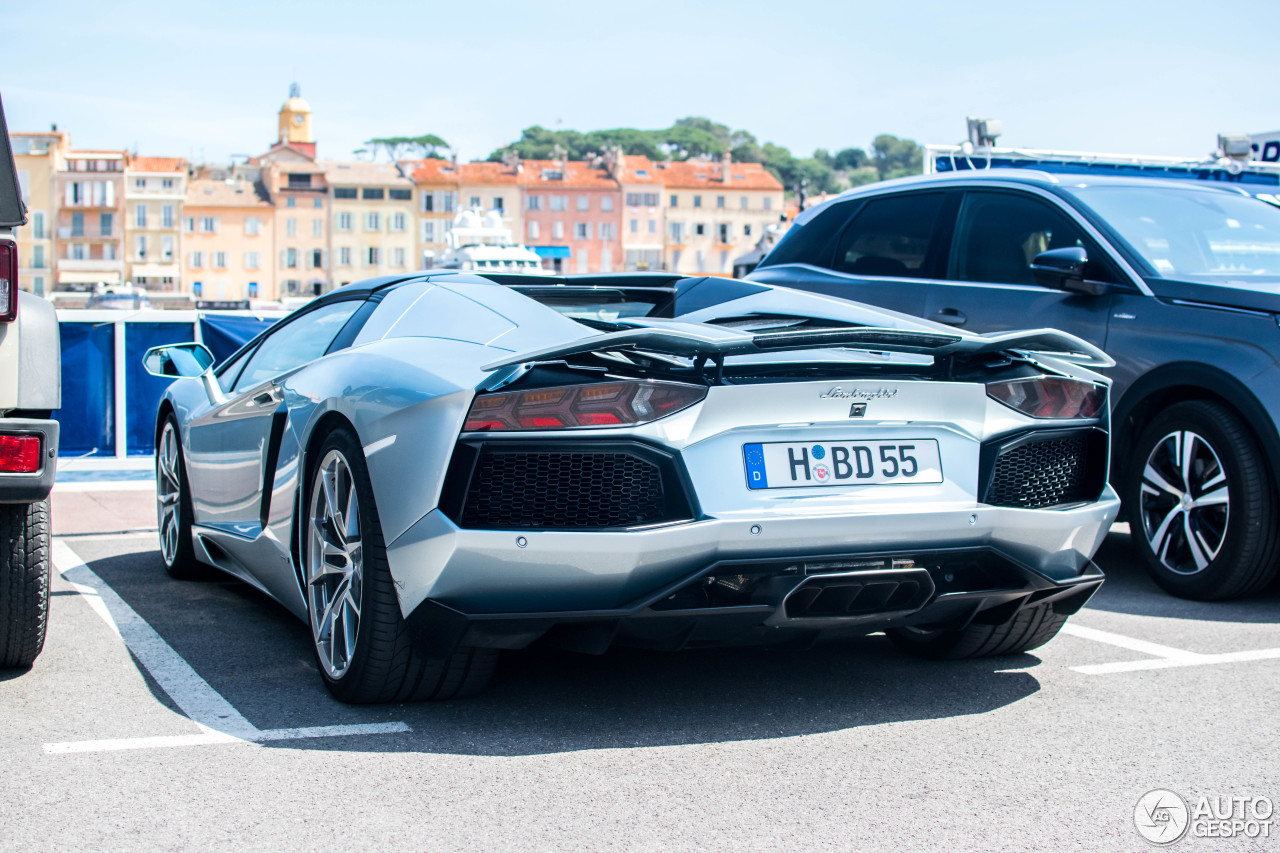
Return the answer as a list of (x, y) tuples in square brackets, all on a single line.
[(542, 700), (1129, 589)]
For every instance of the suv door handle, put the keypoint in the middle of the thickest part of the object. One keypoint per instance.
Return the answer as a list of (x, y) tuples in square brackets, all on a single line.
[(950, 316)]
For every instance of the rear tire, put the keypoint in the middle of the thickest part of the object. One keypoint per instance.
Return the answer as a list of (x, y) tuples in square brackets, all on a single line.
[(1202, 507), (1031, 628), (24, 581), (359, 637)]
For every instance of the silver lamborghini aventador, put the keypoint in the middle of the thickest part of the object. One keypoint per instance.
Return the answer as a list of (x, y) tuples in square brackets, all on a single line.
[(429, 468)]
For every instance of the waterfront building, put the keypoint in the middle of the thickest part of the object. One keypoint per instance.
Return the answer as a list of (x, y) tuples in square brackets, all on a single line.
[(572, 210), (89, 187), (643, 224), (716, 211), (372, 219), (155, 189), (435, 183), (38, 157), (228, 240)]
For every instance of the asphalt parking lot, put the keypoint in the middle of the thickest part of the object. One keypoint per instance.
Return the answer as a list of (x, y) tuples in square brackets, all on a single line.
[(169, 715)]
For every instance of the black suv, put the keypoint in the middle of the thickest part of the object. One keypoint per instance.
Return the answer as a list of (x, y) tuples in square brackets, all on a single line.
[(1179, 281)]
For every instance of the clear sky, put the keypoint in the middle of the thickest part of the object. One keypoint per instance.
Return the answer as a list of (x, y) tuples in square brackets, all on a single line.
[(204, 80)]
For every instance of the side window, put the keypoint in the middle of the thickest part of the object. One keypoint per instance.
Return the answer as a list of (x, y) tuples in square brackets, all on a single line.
[(227, 374), (296, 342), (1000, 233), (809, 239), (890, 237)]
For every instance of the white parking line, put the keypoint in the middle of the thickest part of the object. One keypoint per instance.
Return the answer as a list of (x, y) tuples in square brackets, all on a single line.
[(219, 722), (106, 486), (1165, 657)]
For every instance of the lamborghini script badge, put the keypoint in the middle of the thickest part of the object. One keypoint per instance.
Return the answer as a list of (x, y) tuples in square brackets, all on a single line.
[(838, 393)]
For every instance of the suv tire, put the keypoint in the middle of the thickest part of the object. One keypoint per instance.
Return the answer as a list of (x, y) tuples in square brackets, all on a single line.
[(1201, 504), (24, 581)]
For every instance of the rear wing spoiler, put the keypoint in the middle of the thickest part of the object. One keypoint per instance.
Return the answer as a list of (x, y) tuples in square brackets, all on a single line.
[(697, 341)]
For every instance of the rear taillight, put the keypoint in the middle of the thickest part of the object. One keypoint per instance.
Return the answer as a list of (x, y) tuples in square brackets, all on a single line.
[(19, 454), (1050, 396), (8, 281), (604, 404)]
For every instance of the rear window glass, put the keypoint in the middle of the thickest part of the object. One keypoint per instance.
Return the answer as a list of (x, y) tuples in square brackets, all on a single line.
[(890, 237)]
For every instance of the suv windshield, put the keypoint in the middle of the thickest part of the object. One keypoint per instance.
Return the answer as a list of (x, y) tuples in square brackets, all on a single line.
[(1192, 233)]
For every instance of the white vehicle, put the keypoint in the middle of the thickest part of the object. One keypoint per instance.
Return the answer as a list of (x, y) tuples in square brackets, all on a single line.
[(30, 389), (481, 242)]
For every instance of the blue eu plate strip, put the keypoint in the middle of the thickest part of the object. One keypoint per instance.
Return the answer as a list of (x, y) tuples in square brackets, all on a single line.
[(756, 476)]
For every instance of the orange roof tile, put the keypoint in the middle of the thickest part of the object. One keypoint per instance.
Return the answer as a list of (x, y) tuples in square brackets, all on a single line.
[(701, 174), (486, 172), (157, 164), (431, 170), (578, 174), (637, 169)]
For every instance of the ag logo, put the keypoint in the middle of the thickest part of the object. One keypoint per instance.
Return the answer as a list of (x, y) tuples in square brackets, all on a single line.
[(1161, 816)]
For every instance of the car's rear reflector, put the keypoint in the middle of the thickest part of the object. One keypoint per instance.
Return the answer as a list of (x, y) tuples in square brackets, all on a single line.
[(1050, 396), (602, 404), (19, 454), (8, 281)]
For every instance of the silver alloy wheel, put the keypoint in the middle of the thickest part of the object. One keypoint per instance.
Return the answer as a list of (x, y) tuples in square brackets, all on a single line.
[(334, 564), (168, 494), (1185, 505)]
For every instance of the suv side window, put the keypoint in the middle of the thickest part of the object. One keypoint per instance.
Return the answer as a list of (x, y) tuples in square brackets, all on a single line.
[(999, 234), (891, 237), (296, 342)]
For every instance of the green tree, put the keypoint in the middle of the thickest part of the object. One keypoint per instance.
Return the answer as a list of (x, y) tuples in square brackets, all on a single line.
[(400, 147), (851, 158), (896, 158)]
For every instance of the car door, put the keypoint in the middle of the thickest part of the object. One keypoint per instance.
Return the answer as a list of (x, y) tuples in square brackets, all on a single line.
[(886, 253), (990, 286), (228, 445)]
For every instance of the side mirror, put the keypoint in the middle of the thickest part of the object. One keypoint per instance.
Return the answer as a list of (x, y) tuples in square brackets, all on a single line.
[(178, 360), (1063, 269), (185, 361)]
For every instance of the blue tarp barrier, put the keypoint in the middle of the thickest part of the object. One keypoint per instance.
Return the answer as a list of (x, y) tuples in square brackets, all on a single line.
[(87, 416), (144, 389), (224, 335)]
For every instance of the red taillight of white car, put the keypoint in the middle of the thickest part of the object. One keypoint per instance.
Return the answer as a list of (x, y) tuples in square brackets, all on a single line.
[(602, 404), (8, 281), (1050, 397), (19, 454)]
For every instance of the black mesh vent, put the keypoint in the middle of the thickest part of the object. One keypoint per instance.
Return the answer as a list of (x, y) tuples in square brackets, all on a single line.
[(1044, 472), (564, 489)]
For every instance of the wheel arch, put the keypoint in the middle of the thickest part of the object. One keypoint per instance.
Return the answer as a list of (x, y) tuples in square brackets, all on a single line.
[(166, 409), (325, 424), (1186, 382)]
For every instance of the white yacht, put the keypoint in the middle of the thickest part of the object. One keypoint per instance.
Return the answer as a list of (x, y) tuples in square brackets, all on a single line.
[(480, 242)]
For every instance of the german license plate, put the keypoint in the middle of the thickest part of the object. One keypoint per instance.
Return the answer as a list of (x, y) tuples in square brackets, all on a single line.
[(789, 465)]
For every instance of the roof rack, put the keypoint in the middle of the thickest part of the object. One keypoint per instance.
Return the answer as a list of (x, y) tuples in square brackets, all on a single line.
[(1261, 179)]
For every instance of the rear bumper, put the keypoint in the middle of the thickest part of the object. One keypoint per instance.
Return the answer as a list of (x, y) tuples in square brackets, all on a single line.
[(34, 486), (781, 599), (546, 578)]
